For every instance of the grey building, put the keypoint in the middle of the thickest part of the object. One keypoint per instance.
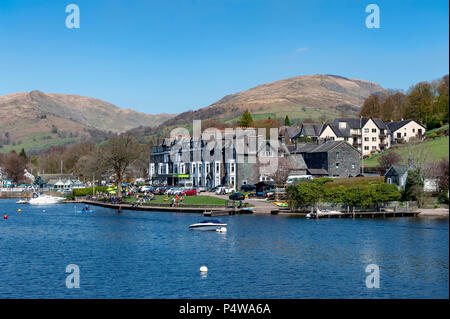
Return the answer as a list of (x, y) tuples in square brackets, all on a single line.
[(333, 159)]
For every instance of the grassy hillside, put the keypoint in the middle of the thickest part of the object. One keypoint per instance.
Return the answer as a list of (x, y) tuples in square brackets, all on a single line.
[(302, 97), (436, 149)]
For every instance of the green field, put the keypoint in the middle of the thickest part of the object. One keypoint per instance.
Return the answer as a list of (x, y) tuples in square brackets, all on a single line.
[(187, 200), (37, 142), (436, 150)]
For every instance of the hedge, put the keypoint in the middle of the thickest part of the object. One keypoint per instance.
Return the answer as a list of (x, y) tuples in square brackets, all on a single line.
[(88, 190)]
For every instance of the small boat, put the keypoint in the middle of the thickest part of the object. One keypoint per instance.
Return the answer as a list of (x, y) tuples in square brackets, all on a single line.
[(315, 213), (281, 204), (209, 224), (86, 211), (45, 199), (22, 201)]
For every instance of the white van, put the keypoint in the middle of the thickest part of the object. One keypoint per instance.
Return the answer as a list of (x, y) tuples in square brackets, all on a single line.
[(297, 178)]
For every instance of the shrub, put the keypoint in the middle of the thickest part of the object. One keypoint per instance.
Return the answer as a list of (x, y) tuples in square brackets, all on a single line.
[(88, 190)]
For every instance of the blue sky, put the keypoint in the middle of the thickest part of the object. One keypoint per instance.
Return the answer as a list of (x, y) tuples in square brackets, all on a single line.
[(172, 56)]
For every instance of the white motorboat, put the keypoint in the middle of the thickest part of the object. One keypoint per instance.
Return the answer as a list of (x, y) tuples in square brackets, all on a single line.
[(45, 199), (209, 224), (22, 201), (315, 213)]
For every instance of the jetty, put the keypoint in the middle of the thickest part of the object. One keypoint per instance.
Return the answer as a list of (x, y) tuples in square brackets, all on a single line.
[(350, 214)]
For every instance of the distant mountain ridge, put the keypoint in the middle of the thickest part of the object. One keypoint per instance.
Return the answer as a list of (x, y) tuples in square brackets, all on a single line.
[(35, 120), (301, 97)]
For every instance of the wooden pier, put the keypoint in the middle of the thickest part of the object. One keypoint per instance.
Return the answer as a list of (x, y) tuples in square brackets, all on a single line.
[(351, 214), (226, 212)]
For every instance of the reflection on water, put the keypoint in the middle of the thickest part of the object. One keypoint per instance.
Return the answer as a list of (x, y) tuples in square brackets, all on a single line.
[(155, 255)]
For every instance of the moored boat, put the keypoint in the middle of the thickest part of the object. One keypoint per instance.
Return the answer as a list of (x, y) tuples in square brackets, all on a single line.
[(45, 199), (209, 224), (315, 213)]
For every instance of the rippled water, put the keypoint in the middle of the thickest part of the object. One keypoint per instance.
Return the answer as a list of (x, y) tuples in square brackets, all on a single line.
[(155, 255)]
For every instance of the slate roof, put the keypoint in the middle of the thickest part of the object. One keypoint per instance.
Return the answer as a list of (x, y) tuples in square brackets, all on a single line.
[(318, 148), (399, 169), (317, 171), (357, 123), (394, 126), (289, 132), (312, 129)]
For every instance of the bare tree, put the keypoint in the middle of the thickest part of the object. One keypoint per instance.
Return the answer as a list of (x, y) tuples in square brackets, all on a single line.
[(118, 154), (285, 165), (14, 167)]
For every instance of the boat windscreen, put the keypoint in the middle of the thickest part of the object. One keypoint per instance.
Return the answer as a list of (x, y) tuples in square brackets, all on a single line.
[(216, 221)]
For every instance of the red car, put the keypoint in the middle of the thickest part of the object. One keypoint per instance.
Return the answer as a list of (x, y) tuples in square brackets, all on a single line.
[(189, 192)]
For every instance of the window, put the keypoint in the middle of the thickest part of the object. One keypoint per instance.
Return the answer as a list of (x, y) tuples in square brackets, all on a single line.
[(232, 167), (217, 167), (366, 148), (366, 130), (374, 147), (374, 130), (414, 130), (337, 154), (366, 139), (353, 165), (399, 135), (337, 165), (374, 139)]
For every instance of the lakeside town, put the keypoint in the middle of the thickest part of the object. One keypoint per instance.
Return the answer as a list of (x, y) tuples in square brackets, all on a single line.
[(224, 171), (222, 158)]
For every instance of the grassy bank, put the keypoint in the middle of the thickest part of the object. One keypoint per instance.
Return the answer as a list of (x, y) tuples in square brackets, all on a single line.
[(187, 200), (436, 149)]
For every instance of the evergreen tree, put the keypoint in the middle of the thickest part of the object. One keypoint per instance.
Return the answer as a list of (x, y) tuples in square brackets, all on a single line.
[(246, 119), (287, 121), (23, 154)]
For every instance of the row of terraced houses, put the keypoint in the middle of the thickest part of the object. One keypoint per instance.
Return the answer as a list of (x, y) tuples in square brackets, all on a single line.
[(333, 150)]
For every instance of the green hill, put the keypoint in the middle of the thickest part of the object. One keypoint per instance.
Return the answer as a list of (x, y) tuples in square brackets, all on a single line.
[(436, 149)]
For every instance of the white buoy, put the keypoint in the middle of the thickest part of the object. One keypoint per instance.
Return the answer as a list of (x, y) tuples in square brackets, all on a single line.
[(221, 230), (203, 269)]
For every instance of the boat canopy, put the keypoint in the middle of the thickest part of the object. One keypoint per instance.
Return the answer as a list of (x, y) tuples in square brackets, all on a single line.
[(215, 221)]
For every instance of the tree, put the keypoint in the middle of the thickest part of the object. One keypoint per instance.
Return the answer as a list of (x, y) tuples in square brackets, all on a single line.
[(420, 101), (389, 159), (23, 154), (287, 121), (14, 167), (443, 179), (246, 119), (284, 167), (414, 187), (118, 154), (371, 106)]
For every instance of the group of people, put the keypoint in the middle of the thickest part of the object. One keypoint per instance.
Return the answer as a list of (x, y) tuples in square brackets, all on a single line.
[(176, 200)]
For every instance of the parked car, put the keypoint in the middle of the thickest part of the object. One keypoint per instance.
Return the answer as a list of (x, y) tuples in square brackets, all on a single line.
[(248, 188), (237, 196), (189, 192), (215, 188), (225, 190), (145, 188)]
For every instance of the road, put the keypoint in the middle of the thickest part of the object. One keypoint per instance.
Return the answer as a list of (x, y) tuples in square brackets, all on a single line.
[(261, 205)]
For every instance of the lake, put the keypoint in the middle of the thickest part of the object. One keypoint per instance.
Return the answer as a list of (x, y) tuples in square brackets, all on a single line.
[(154, 255)]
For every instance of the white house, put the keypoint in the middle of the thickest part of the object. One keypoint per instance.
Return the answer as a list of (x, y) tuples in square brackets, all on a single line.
[(365, 134), (402, 131)]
